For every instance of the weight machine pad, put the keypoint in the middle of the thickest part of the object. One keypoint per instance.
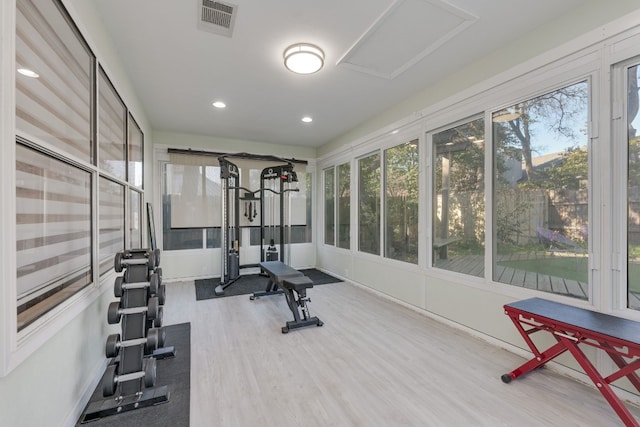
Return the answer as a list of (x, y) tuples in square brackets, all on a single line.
[(297, 283)]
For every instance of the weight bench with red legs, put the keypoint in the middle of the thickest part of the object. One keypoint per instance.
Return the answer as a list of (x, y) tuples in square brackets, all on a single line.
[(572, 327)]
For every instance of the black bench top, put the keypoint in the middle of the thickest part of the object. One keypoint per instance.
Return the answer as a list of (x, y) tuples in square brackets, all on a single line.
[(278, 270), (587, 320), (297, 283)]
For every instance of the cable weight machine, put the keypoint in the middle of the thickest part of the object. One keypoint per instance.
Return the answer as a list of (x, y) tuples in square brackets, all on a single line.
[(230, 224), (275, 207), (275, 181)]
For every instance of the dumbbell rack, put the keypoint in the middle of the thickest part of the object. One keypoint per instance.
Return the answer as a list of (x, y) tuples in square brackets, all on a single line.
[(129, 380)]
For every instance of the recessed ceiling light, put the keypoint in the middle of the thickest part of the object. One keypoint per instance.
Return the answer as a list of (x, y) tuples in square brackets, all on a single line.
[(307, 119), (29, 73), (303, 58), (219, 104)]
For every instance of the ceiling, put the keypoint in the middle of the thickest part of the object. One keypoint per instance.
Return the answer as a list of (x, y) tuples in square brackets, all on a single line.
[(377, 53)]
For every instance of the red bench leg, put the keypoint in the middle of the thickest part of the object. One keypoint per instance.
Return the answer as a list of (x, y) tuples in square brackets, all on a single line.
[(599, 382)]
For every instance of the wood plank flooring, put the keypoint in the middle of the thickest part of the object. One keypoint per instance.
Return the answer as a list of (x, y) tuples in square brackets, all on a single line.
[(373, 363)]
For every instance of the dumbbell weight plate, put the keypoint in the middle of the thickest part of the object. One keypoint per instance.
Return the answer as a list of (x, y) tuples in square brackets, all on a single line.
[(113, 313), (162, 294), (151, 262), (153, 308), (158, 271), (117, 263), (157, 322), (109, 383), (154, 283), (117, 287), (149, 372), (161, 336), (153, 338), (112, 347)]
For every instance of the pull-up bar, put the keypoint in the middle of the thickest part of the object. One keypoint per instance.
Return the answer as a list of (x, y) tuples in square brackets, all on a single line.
[(268, 158)]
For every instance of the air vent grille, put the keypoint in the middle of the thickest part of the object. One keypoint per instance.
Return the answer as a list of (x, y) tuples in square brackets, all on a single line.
[(217, 17)]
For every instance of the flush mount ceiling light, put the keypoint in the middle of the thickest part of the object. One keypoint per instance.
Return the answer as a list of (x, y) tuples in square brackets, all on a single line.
[(303, 58), (219, 104), (307, 119)]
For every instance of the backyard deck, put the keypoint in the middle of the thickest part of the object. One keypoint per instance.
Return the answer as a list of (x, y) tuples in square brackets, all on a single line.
[(474, 265)]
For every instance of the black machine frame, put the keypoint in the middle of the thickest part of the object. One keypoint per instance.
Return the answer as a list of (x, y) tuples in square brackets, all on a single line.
[(230, 227)]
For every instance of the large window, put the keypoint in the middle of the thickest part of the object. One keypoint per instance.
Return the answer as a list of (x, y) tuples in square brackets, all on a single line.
[(401, 202), (369, 204), (541, 200), (192, 211), (191, 206), (53, 89), (343, 205), (53, 232), (136, 153), (329, 206), (633, 186), (111, 222), (458, 198), (112, 137)]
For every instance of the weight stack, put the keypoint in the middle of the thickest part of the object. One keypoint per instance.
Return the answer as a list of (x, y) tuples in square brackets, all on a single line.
[(131, 376)]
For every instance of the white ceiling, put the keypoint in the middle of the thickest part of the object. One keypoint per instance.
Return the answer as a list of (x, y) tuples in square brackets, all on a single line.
[(378, 52)]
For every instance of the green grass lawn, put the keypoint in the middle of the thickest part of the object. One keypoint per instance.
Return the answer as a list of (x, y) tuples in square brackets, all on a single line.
[(567, 267)]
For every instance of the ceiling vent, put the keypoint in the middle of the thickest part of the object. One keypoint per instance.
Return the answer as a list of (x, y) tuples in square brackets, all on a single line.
[(217, 17)]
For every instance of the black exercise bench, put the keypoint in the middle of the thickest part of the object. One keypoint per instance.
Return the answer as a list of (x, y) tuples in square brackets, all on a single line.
[(571, 326), (294, 285)]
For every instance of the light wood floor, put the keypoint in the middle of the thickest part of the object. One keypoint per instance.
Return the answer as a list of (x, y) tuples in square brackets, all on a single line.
[(373, 363)]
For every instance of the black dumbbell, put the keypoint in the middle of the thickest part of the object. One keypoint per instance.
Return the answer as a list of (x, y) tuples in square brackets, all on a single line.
[(124, 259), (162, 294), (158, 271), (120, 285), (115, 312), (111, 378), (157, 322), (154, 339)]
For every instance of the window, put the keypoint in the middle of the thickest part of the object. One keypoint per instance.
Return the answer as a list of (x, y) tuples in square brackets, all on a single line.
[(110, 222), (458, 198), (541, 200), (136, 150), (300, 229), (191, 206), (344, 205), (633, 186), (55, 107), (329, 207), (111, 138), (369, 204), (53, 232), (401, 202)]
